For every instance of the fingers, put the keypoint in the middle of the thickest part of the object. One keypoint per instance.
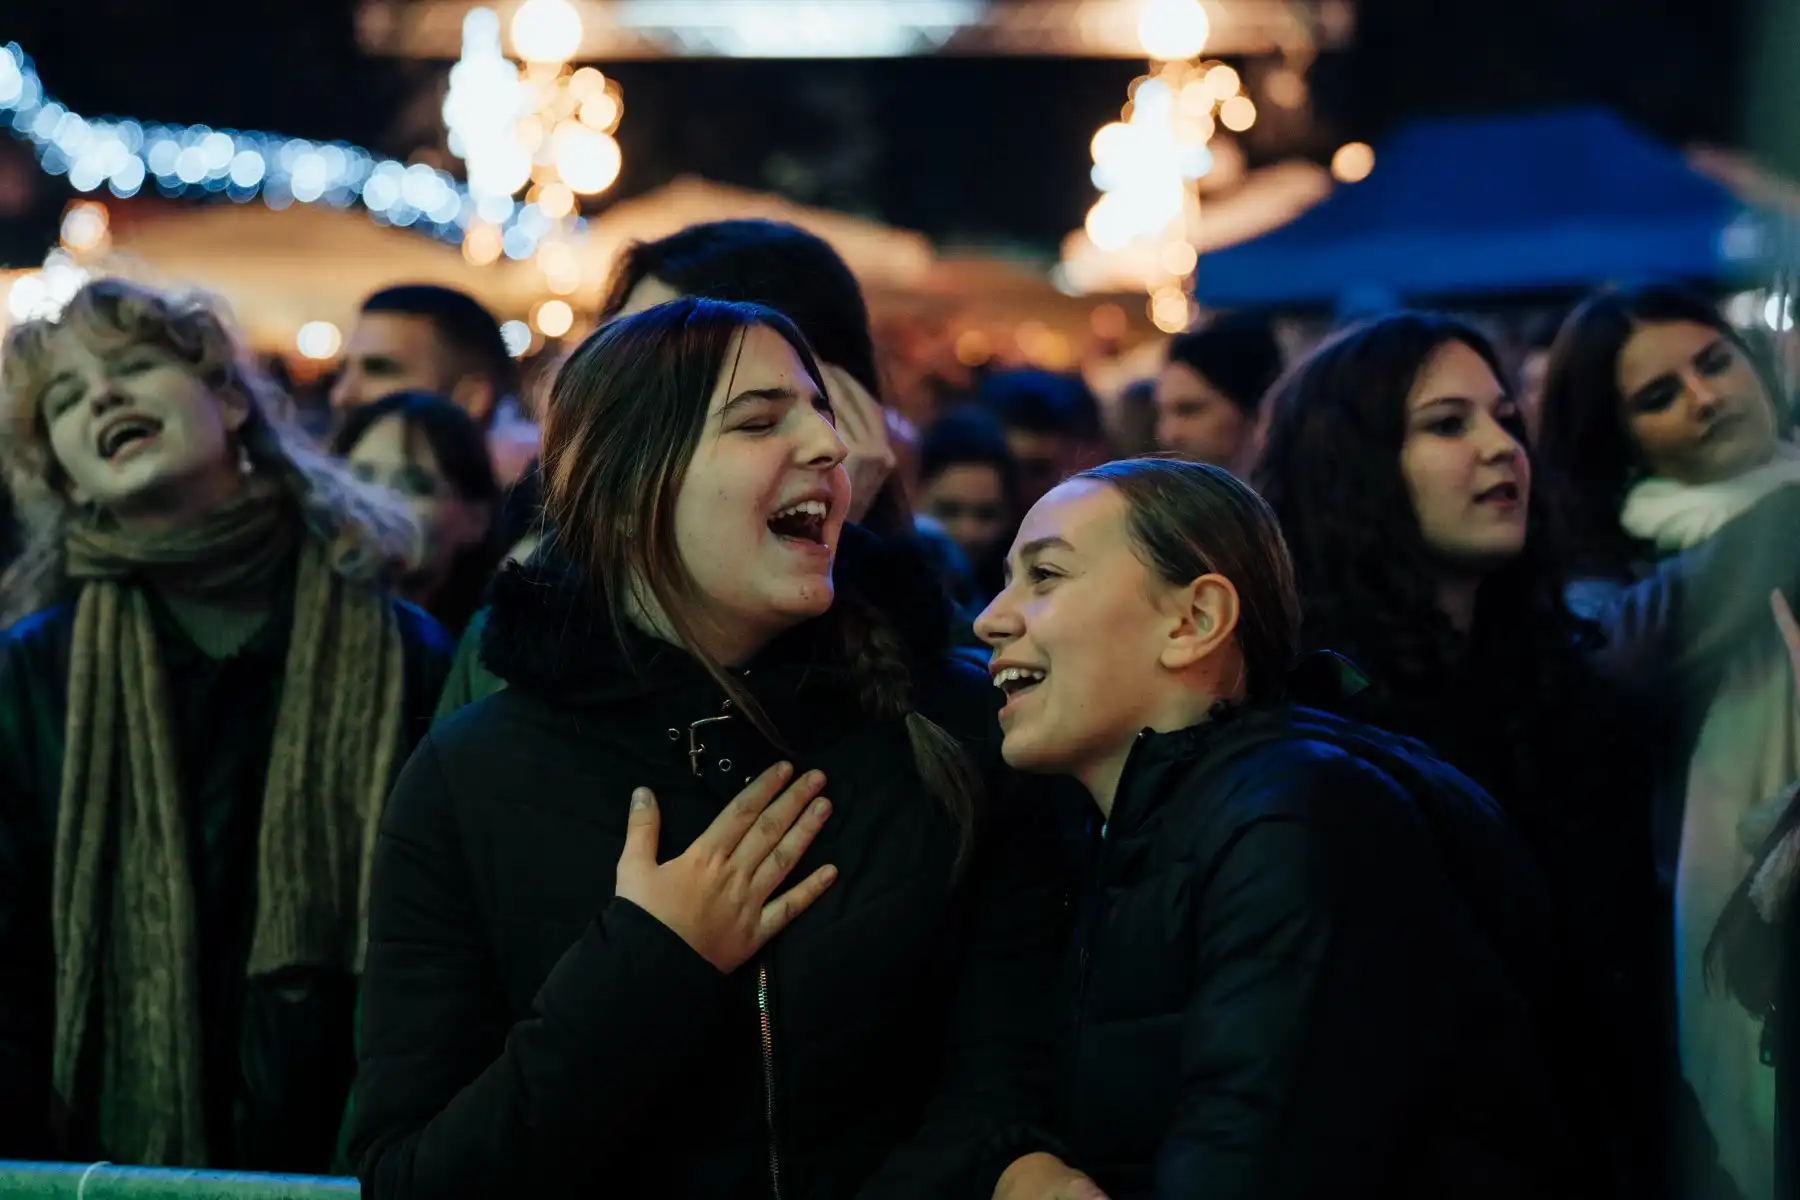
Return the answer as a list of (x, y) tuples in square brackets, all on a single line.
[(643, 824), (781, 858), (728, 828), (773, 823), (778, 913), (1784, 621), (859, 414)]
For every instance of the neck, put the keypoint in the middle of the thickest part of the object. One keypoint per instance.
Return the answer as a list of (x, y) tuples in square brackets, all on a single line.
[(1183, 710), (1456, 600), (182, 504), (728, 647)]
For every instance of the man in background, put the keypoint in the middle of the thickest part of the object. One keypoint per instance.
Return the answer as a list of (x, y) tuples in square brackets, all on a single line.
[(423, 337)]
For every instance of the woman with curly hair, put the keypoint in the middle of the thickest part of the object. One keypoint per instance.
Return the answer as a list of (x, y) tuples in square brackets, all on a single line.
[(202, 705), (1396, 460)]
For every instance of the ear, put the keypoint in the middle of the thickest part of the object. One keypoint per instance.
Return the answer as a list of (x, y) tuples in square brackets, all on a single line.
[(1206, 618), (475, 396), (234, 408)]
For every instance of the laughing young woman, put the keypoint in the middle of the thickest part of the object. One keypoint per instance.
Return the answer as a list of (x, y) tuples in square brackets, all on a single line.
[(198, 724), (584, 971), (1308, 951)]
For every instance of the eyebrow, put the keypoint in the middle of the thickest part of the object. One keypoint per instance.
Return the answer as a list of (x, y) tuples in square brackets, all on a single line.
[(758, 396), (1034, 548)]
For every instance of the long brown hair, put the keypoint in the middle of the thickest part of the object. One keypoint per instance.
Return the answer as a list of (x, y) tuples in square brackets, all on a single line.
[(624, 417), (370, 531)]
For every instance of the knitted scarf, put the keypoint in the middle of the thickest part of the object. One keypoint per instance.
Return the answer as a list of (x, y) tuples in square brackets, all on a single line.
[(123, 907)]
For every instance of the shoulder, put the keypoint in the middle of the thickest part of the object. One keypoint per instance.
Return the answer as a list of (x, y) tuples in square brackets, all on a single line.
[(37, 642), (421, 631)]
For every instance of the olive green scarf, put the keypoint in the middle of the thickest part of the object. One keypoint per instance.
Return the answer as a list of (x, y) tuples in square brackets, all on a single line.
[(123, 907)]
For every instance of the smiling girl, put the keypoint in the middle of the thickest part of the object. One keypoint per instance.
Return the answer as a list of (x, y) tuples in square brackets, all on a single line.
[(587, 967), (1309, 953), (198, 724)]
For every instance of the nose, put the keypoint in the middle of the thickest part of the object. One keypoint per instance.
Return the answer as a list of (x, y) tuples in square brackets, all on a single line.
[(106, 397), (1498, 445), (821, 445), (999, 622), (1707, 400)]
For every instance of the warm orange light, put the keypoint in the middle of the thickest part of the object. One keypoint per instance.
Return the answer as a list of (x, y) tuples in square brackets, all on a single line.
[(1108, 321), (1353, 162), (481, 244), (554, 318), (973, 348), (1238, 113)]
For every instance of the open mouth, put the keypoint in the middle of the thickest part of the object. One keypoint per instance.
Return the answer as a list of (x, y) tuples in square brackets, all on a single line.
[(1500, 493), (801, 522), (1016, 681), (123, 434)]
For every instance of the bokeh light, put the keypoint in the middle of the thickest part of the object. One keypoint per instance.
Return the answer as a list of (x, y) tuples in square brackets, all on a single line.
[(318, 340)]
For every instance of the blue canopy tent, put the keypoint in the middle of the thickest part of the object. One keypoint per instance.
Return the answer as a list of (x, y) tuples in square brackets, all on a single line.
[(1563, 199)]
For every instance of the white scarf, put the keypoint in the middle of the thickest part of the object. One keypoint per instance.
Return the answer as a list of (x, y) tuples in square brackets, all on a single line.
[(1675, 516), (1747, 748)]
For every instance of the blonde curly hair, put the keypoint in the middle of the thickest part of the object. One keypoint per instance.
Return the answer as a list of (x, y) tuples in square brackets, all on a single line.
[(371, 532)]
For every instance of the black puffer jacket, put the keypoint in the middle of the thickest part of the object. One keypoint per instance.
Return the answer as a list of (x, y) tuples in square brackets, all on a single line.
[(1307, 967), (525, 1029)]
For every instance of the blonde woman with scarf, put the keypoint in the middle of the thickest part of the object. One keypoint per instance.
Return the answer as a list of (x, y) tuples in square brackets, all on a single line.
[(204, 695), (1665, 427)]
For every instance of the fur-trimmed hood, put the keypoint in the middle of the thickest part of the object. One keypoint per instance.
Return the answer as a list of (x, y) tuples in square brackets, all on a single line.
[(549, 631)]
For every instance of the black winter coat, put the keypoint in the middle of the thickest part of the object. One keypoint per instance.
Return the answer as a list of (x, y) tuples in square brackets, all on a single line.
[(524, 1029), (1307, 967)]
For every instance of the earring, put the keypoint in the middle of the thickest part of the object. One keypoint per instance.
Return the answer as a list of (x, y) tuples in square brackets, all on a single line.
[(246, 466)]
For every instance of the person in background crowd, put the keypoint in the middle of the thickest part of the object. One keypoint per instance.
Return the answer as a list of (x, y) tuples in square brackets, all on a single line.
[(1309, 955), (431, 452), (1534, 363), (683, 1026), (1208, 393), (199, 723), (1661, 425), (1134, 430), (1395, 458), (799, 275), (425, 338), (1052, 425), (971, 490)]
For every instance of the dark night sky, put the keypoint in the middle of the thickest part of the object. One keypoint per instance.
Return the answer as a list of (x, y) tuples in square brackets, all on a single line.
[(991, 151)]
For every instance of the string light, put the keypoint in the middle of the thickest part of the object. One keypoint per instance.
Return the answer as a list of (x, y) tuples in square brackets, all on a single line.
[(318, 340), (1173, 30), (124, 155), (1353, 162)]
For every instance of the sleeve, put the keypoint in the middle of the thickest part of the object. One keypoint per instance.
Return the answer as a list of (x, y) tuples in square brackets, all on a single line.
[(1321, 1009), (453, 1096), (1669, 635), (26, 967), (984, 1110)]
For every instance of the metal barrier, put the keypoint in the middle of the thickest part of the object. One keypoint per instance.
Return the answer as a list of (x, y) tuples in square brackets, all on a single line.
[(103, 1181)]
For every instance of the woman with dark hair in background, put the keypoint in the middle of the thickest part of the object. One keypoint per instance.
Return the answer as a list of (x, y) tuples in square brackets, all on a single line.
[(682, 1026), (1396, 460), (1309, 954), (1660, 425), (435, 456)]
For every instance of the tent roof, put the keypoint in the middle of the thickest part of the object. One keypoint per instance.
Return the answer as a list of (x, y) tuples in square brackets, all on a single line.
[(1569, 198)]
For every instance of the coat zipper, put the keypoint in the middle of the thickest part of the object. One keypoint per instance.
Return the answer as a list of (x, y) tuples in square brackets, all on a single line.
[(766, 1019)]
